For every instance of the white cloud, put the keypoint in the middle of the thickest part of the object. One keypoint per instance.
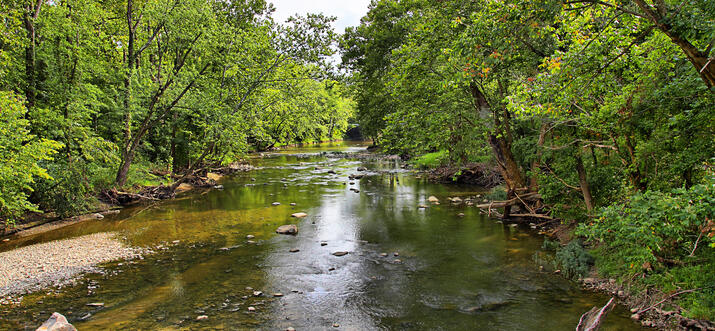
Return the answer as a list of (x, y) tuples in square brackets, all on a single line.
[(348, 12)]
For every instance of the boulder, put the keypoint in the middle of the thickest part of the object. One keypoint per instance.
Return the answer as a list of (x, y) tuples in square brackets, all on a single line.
[(57, 322), (213, 176), (287, 229), (299, 215)]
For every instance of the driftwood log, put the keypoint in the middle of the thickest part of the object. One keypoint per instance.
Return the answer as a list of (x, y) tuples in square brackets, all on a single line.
[(591, 320)]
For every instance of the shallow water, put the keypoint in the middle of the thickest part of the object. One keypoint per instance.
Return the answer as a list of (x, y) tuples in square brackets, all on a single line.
[(454, 273)]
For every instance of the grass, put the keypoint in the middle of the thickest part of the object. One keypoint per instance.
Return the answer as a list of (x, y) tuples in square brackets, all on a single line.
[(431, 160)]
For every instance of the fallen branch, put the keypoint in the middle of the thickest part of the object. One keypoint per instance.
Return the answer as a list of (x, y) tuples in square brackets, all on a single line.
[(667, 298), (534, 215), (591, 320)]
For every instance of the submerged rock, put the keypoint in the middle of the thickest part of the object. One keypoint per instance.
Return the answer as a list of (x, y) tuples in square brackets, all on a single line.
[(56, 322), (287, 229)]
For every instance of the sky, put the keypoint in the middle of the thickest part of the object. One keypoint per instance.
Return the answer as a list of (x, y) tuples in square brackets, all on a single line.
[(348, 12)]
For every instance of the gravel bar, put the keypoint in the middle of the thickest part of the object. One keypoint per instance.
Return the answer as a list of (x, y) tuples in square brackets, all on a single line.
[(58, 263)]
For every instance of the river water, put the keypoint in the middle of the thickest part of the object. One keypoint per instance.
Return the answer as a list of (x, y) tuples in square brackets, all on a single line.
[(450, 272)]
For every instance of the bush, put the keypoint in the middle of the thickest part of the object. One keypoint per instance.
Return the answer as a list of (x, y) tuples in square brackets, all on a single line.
[(431, 160), (573, 259)]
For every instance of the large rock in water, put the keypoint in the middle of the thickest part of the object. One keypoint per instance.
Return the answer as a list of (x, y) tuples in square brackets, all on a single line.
[(57, 322), (287, 229)]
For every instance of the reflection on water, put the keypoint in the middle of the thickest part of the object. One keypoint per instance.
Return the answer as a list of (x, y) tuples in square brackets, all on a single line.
[(441, 271)]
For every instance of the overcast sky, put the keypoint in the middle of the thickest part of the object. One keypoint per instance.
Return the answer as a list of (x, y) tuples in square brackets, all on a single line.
[(348, 12)]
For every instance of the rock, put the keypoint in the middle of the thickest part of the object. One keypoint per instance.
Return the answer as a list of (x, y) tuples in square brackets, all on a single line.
[(250, 242), (398, 261), (456, 200), (294, 250), (299, 215), (278, 295), (176, 242), (340, 253), (331, 269), (251, 308), (383, 254), (218, 187), (111, 212), (356, 191), (336, 325), (56, 322), (633, 310), (287, 229), (257, 293), (250, 236), (290, 329), (332, 172), (460, 214), (95, 304), (635, 317), (276, 204), (396, 254), (201, 317), (432, 198), (253, 179), (6, 239), (183, 187), (213, 176), (292, 203), (422, 206), (361, 169), (323, 244)]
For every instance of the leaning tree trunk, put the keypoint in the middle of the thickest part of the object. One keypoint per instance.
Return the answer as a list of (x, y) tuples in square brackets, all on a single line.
[(583, 184)]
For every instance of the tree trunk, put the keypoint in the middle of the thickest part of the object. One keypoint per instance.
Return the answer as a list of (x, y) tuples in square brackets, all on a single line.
[(533, 183), (583, 184), (32, 11)]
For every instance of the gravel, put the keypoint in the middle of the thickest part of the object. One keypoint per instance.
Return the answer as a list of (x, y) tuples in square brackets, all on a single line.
[(58, 263)]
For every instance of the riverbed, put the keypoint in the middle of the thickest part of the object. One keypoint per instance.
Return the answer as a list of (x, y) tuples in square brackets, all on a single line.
[(444, 267)]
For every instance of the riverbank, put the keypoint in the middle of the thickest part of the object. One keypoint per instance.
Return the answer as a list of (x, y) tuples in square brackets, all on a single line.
[(58, 263)]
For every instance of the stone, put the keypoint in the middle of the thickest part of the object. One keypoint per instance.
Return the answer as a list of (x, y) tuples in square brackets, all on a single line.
[(383, 254), (276, 203), (635, 317), (292, 203), (251, 308), (422, 206), (456, 200), (183, 187), (218, 187), (294, 250), (213, 176), (278, 294), (290, 329), (6, 239), (287, 229), (432, 198), (356, 191), (336, 325), (250, 236), (323, 244), (396, 254), (332, 172), (398, 261), (460, 214), (56, 322), (361, 169), (299, 215), (201, 317), (257, 293), (95, 304), (340, 253)]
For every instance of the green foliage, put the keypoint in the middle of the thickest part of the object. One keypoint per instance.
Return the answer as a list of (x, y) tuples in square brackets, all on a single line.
[(20, 157), (431, 160), (573, 259)]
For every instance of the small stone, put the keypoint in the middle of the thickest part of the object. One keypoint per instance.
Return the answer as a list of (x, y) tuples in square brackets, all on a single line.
[(278, 294), (202, 317), (422, 206), (251, 308), (332, 172), (294, 250), (635, 317), (361, 169), (396, 254), (340, 253), (276, 203), (292, 203), (249, 288), (557, 271), (398, 261), (257, 293), (460, 215), (250, 242), (323, 244), (95, 304), (250, 236), (287, 229), (331, 269), (299, 215), (432, 198), (336, 325), (383, 254), (176, 242), (6, 239), (621, 293), (356, 191), (290, 329)]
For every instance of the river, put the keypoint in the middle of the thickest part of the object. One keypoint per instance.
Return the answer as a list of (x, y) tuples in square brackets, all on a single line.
[(450, 272)]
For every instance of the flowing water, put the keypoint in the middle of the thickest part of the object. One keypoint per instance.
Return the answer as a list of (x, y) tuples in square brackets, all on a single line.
[(451, 272)]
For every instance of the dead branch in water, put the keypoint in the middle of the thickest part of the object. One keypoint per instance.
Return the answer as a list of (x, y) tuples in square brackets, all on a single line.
[(591, 320)]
